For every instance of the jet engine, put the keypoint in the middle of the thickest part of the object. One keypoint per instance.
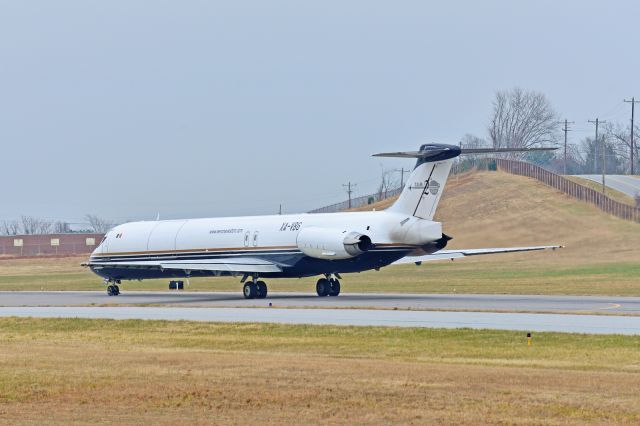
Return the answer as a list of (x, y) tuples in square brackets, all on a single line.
[(332, 244), (432, 247)]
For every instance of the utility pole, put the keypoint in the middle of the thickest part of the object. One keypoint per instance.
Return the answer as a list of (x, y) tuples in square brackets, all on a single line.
[(280, 210), (349, 187), (604, 164), (633, 103), (566, 129), (402, 170)]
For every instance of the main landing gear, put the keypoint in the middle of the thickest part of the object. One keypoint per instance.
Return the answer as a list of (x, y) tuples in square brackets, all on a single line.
[(112, 287), (329, 286), (255, 289)]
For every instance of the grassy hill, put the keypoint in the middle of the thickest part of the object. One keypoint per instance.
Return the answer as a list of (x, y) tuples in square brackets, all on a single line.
[(478, 209), (482, 209), (496, 209)]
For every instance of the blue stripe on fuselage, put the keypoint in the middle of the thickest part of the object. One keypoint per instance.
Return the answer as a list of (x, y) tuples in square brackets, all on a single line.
[(294, 264)]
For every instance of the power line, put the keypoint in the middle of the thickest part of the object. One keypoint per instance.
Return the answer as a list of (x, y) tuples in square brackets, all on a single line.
[(349, 190), (595, 145), (633, 104), (402, 170), (613, 111), (566, 129)]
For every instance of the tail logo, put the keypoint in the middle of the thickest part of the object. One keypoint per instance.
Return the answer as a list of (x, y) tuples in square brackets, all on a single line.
[(434, 187)]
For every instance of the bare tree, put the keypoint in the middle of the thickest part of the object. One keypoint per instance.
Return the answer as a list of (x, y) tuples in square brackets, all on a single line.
[(98, 224), (61, 227), (575, 160), (620, 136), (472, 141), (44, 226), (591, 153), (387, 182), (10, 227), (30, 225), (522, 119)]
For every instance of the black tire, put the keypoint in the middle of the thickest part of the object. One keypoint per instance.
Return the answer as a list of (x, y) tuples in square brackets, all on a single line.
[(261, 287), (335, 287), (116, 290), (110, 291), (250, 291), (323, 287)]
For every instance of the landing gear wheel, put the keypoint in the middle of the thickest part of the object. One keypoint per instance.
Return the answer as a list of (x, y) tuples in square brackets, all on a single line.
[(116, 290), (323, 287), (250, 291), (261, 287), (334, 288), (111, 291)]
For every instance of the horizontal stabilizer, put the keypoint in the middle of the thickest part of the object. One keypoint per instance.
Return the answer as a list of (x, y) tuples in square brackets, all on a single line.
[(437, 152), (428, 152)]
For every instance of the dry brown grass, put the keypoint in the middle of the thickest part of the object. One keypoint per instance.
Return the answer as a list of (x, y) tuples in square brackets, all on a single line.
[(41, 265), (133, 372), (495, 208)]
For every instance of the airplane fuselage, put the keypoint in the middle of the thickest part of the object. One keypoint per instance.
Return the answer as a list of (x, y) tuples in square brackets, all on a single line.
[(272, 238), (290, 246)]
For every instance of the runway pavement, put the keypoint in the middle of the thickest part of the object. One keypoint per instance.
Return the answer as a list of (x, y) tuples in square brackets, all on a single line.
[(596, 324), (467, 302), (506, 312)]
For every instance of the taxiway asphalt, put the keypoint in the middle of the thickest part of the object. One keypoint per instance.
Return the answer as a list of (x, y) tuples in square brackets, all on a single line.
[(460, 302)]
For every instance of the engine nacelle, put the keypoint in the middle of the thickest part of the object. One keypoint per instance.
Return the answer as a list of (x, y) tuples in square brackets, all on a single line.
[(327, 243)]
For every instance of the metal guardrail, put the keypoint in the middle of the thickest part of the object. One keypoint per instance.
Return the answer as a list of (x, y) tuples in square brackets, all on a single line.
[(573, 189)]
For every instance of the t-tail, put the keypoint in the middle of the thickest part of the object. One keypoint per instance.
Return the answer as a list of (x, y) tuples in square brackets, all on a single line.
[(421, 194)]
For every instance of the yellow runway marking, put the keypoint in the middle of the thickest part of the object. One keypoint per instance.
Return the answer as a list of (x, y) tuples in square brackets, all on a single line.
[(613, 306)]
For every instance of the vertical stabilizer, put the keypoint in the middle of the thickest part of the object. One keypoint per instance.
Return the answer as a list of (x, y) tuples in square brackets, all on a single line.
[(423, 190), (421, 194)]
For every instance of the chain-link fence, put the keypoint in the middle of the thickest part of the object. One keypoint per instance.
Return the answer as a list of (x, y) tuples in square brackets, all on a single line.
[(358, 201)]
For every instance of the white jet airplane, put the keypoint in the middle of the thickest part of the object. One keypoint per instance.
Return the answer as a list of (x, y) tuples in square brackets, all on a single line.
[(298, 245)]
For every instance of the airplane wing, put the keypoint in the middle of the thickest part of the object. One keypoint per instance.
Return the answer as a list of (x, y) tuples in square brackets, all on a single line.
[(457, 254), (243, 265)]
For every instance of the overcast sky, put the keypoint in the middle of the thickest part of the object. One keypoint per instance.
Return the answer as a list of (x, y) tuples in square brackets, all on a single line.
[(204, 108)]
